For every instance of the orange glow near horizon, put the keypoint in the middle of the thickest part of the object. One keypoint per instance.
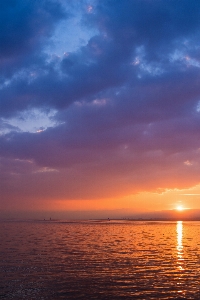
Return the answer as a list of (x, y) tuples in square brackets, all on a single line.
[(180, 201)]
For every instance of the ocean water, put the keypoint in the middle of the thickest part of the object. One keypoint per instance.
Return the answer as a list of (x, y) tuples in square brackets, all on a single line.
[(99, 260)]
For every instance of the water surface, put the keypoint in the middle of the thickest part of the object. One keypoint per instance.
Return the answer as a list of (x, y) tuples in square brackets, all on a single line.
[(100, 260)]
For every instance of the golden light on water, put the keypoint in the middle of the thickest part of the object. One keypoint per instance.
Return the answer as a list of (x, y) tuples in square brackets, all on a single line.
[(179, 231), (180, 259)]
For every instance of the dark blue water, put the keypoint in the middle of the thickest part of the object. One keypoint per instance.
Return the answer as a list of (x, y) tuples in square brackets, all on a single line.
[(100, 260)]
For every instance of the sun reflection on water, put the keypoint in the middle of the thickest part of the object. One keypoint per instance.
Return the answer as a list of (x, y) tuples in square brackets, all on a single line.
[(179, 247), (179, 231)]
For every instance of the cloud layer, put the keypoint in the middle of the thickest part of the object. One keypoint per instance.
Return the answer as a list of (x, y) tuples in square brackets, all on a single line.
[(126, 102)]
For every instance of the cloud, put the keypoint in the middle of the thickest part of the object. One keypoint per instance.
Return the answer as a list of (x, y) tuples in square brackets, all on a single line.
[(107, 61), (126, 104)]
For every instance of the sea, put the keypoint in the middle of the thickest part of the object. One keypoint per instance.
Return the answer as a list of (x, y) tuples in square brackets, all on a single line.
[(99, 259)]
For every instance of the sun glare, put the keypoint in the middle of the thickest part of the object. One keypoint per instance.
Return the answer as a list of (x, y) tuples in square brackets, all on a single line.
[(179, 208)]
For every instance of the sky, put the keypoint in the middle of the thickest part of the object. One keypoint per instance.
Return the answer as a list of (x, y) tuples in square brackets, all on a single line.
[(99, 106)]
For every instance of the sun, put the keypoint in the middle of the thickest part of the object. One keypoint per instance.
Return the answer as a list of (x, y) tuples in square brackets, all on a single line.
[(179, 208)]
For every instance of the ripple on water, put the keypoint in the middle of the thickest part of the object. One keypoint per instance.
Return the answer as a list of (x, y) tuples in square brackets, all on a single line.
[(125, 260)]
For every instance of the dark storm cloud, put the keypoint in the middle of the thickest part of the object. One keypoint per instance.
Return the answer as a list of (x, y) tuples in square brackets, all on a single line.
[(127, 100)]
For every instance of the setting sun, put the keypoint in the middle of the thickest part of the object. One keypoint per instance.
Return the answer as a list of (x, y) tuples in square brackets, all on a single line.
[(179, 208)]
